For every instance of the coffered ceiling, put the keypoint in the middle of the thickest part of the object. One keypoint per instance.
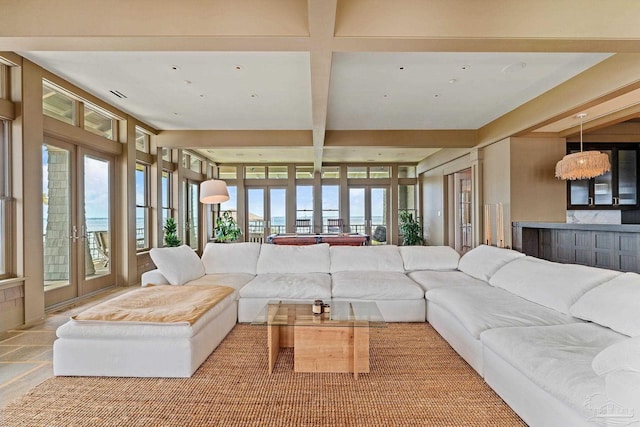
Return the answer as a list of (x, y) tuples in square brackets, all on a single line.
[(340, 80)]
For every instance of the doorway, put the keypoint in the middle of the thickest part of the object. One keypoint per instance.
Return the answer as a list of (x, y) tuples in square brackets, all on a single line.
[(369, 212), (266, 212), (77, 215)]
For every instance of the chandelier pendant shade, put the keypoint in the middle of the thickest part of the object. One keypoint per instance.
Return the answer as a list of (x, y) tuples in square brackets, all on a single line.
[(213, 191), (584, 164)]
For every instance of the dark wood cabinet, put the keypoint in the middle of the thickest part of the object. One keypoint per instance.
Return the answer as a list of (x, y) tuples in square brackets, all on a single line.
[(615, 247), (616, 189)]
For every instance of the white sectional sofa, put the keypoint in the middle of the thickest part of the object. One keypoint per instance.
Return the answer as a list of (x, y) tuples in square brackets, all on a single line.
[(559, 343)]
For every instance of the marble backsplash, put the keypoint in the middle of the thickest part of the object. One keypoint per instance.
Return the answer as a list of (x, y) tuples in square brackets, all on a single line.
[(594, 217)]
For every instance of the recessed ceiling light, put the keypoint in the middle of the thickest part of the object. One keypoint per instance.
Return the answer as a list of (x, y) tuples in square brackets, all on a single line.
[(175, 114), (187, 82), (385, 95), (201, 95), (436, 95), (452, 81), (465, 67), (175, 68), (516, 66), (238, 67), (253, 95), (402, 68)]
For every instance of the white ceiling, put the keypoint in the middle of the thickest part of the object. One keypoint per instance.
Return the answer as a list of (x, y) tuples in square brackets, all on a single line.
[(271, 90)]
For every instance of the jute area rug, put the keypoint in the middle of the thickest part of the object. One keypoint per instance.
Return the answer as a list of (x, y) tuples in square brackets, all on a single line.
[(416, 379)]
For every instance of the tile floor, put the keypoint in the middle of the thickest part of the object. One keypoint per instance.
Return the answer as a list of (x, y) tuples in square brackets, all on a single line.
[(26, 355)]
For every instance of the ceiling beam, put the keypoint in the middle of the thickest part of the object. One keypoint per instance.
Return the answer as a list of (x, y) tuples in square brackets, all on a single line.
[(402, 138), (322, 17), (233, 138)]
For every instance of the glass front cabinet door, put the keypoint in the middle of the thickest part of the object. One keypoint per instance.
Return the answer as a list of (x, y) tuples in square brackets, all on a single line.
[(616, 189)]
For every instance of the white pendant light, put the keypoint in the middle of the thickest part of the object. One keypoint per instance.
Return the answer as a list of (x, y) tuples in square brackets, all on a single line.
[(213, 191), (584, 164)]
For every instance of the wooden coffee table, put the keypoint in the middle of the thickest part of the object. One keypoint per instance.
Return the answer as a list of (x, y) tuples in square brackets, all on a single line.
[(330, 342)]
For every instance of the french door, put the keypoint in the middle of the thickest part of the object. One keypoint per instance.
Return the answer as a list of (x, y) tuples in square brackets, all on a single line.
[(191, 209), (369, 212), (266, 212), (77, 215)]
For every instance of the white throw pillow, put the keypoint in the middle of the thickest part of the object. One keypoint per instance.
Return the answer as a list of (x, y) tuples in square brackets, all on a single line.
[(550, 284), (293, 259), (623, 355), (179, 265), (366, 258), (429, 258), (483, 261), (231, 257), (614, 304)]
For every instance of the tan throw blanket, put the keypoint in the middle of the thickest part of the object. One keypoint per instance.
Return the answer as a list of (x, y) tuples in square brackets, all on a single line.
[(158, 304)]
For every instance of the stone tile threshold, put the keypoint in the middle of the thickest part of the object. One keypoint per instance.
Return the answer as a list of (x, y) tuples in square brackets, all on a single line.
[(26, 355)]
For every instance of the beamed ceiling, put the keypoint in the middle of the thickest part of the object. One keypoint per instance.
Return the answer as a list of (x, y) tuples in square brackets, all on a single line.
[(341, 80)]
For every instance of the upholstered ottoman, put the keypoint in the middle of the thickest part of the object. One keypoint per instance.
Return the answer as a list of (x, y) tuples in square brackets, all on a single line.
[(158, 331)]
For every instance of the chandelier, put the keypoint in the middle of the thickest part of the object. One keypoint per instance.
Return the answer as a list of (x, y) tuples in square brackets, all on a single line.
[(584, 164)]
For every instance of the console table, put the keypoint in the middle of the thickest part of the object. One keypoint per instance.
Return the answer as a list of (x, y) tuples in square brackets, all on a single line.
[(312, 239), (616, 247)]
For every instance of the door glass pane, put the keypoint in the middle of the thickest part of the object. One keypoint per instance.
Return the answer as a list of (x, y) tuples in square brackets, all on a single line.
[(97, 244), (193, 215), (278, 210), (603, 191), (627, 173), (379, 209), (56, 216), (304, 209), (330, 204), (356, 210), (255, 214)]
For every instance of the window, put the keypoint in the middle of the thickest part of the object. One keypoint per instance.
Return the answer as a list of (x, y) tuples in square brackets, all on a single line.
[(330, 203), (58, 104), (379, 172), (195, 164), (406, 171), (142, 206), (407, 199), (5, 206), (357, 172), (167, 196), (231, 205), (167, 154), (227, 172), (304, 207), (255, 172), (278, 172), (304, 172), (97, 122), (331, 172), (142, 141)]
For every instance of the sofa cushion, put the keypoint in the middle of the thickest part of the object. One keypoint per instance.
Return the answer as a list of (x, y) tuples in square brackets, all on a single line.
[(615, 304), (293, 259), (153, 277), (231, 257), (178, 265), (288, 286), (624, 355), (482, 262), (374, 285), (483, 307), (366, 258), (556, 358), (547, 283), (429, 258), (232, 280), (431, 279)]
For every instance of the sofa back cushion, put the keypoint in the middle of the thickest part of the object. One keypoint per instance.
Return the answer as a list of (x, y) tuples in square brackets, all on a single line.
[(231, 257), (179, 265), (614, 304), (429, 258), (482, 262), (293, 259), (550, 284), (366, 258)]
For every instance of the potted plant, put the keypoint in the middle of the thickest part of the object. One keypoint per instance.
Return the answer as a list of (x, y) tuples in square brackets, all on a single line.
[(170, 235), (227, 229), (411, 229)]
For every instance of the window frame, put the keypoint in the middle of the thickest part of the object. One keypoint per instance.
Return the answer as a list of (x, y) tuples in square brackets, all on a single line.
[(146, 206), (6, 205)]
